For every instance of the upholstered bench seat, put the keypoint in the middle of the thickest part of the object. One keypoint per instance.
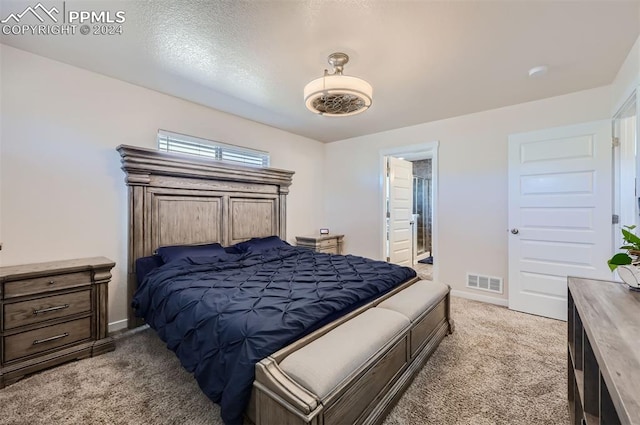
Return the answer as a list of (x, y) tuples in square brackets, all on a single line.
[(416, 299), (353, 370), (323, 364)]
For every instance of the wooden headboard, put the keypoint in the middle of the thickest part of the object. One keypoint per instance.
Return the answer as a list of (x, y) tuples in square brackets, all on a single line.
[(179, 199)]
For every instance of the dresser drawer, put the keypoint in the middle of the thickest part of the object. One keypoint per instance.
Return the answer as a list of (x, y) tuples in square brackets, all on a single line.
[(329, 250), (41, 309), (327, 243), (36, 285), (321, 243), (38, 340)]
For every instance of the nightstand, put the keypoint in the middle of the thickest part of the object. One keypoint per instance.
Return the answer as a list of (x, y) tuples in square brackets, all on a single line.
[(330, 244), (51, 313)]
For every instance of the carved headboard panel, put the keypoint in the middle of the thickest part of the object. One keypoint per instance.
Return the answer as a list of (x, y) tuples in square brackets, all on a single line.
[(179, 199)]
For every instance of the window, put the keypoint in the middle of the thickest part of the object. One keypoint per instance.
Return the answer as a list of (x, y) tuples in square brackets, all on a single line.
[(181, 143)]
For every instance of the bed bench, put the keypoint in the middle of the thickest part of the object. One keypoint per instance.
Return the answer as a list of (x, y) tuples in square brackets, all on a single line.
[(353, 370)]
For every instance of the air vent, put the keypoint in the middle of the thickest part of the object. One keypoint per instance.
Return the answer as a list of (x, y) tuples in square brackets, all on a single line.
[(486, 283)]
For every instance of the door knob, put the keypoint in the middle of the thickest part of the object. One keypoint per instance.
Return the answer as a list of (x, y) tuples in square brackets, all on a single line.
[(515, 231)]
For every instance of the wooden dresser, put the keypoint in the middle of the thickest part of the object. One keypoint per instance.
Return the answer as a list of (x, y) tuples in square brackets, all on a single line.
[(51, 313), (330, 244), (604, 353)]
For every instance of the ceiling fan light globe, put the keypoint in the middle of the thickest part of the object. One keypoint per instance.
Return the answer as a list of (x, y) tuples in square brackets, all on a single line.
[(338, 95)]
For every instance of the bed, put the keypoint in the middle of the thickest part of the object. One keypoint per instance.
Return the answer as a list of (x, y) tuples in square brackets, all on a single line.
[(239, 214)]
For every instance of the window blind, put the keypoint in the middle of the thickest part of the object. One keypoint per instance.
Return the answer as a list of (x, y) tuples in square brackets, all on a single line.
[(182, 143)]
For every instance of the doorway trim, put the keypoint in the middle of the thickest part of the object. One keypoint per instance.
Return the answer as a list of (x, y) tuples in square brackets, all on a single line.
[(420, 151), (619, 126)]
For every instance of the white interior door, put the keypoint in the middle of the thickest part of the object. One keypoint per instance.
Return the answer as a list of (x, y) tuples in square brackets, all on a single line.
[(400, 208), (560, 207)]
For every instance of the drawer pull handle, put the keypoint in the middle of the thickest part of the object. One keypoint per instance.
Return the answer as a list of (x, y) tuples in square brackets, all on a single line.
[(51, 282), (53, 338), (50, 309)]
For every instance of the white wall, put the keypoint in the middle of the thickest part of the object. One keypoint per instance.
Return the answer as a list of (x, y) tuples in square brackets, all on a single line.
[(472, 204), (62, 193), (628, 78)]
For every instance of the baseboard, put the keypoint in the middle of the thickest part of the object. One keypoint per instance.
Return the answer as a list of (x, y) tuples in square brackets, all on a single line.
[(479, 297), (118, 325)]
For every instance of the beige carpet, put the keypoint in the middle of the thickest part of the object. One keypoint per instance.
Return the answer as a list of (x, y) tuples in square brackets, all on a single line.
[(425, 271), (499, 367)]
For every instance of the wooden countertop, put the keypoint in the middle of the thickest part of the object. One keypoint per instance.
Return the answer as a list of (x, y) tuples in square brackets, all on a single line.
[(42, 269), (610, 314), (317, 238)]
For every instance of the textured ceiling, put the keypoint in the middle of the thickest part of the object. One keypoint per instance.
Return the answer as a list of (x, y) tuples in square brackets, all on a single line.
[(425, 60)]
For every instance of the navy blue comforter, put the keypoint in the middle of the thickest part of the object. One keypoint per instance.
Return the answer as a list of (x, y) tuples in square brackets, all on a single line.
[(221, 315)]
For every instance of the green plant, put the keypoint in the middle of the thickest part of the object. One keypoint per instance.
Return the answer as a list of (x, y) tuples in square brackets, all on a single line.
[(631, 246)]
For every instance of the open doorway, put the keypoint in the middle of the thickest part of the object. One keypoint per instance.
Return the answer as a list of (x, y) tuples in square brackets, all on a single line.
[(421, 215), (626, 205), (422, 211)]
